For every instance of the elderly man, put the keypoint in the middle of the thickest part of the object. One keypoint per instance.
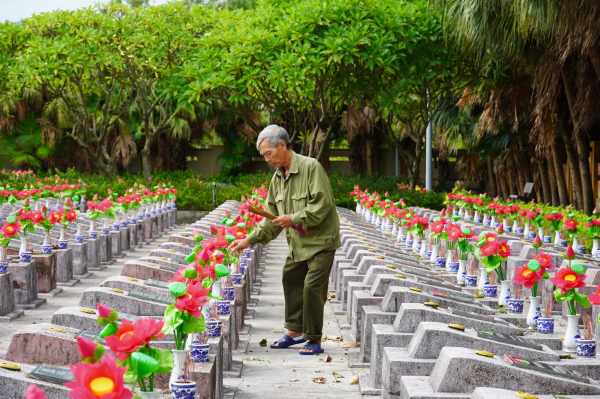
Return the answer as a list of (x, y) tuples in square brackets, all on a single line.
[(300, 195)]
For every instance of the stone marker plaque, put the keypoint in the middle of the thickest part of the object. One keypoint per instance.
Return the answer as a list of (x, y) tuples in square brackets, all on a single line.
[(157, 283), (151, 297), (129, 317), (507, 339), (91, 336), (171, 268), (475, 316), (438, 284), (456, 298), (57, 375), (424, 275), (544, 368)]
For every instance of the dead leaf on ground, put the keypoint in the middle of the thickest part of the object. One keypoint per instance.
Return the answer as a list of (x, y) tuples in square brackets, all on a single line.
[(248, 358), (354, 380), (328, 360), (336, 380), (263, 343), (294, 380), (318, 371), (277, 329), (278, 386), (338, 375), (332, 295), (320, 380), (339, 338), (348, 345)]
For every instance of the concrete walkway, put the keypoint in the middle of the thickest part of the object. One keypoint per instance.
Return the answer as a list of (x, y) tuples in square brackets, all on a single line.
[(284, 373), (72, 295)]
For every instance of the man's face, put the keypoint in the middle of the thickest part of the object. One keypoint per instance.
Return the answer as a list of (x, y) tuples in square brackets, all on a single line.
[(273, 155)]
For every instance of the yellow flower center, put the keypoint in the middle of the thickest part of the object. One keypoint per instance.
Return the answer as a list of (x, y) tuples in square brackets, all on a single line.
[(9, 228), (125, 333), (526, 272), (491, 239), (102, 386), (570, 277)]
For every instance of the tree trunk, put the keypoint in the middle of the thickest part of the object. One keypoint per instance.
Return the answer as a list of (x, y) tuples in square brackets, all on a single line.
[(416, 166), (546, 191), (503, 187), (586, 192), (561, 181), (595, 59), (552, 181), (574, 173), (369, 156), (492, 185)]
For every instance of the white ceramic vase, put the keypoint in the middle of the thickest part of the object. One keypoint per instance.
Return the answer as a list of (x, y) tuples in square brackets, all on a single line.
[(526, 230), (575, 242), (434, 254), (462, 271), (483, 279), (515, 226), (556, 237), (570, 343), (541, 233), (155, 394), (534, 312), (595, 247), (180, 358), (504, 294)]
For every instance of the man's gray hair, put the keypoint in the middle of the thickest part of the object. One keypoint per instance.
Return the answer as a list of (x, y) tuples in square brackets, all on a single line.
[(274, 135)]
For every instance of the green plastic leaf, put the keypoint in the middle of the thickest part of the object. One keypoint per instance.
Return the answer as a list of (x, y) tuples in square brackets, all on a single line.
[(195, 325), (143, 365), (210, 295), (191, 257), (578, 268), (230, 222), (229, 238), (172, 318), (207, 282), (107, 331), (11, 219), (177, 289), (533, 265), (241, 225), (190, 273), (221, 270), (198, 238)]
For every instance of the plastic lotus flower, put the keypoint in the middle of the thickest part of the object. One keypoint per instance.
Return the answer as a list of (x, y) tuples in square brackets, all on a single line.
[(545, 260), (193, 300), (103, 379), (492, 253), (33, 392), (131, 336), (595, 298), (90, 351), (528, 275), (10, 228), (566, 280)]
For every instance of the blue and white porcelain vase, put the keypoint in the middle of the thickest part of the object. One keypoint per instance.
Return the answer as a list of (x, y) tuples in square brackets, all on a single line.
[(24, 252), (434, 254), (179, 372), (595, 247), (471, 280), (46, 245), (547, 239), (515, 306), (223, 307), (462, 271), (526, 230), (3, 259), (213, 327), (200, 352), (62, 241), (504, 294), (490, 290), (545, 325), (534, 312), (586, 347), (183, 390), (484, 278)]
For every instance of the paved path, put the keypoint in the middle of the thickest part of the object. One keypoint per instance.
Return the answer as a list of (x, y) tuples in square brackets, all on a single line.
[(275, 375), (71, 295)]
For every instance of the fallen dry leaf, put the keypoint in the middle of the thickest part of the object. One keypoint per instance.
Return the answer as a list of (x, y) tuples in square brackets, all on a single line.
[(354, 380), (338, 375), (348, 345), (339, 338), (318, 371), (278, 386), (320, 380), (248, 358), (328, 360), (336, 380), (332, 295), (294, 380), (276, 329)]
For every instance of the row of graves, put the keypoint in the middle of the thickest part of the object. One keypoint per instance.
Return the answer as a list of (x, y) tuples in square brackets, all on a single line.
[(173, 318), (445, 306)]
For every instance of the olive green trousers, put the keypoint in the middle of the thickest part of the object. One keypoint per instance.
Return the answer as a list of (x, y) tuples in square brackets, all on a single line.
[(305, 286)]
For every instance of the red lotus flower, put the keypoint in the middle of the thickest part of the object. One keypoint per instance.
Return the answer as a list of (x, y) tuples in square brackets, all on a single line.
[(489, 248), (193, 300), (570, 224), (595, 298), (504, 250), (569, 253), (89, 350), (566, 279), (545, 260), (454, 232), (38, 217), (98, 380), (470, 234), (55, 217), (33, 392), (125, 341), (437, 227), (10, 229), (70, 216), (527, 277)]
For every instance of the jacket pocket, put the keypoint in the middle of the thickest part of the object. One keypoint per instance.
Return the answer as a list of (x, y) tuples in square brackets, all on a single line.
[(299, 201)]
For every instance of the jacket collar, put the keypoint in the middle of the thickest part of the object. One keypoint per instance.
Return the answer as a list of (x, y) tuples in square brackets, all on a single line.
[(293, 165)]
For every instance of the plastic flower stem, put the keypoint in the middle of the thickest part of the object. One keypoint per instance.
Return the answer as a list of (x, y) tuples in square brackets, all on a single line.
[(534, 289), (142, 385), (151, 382), (500, 273)]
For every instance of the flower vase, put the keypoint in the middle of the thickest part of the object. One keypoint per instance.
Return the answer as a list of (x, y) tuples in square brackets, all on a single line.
[(154, 394), (575, 242), (183, 390), (462, 271), (423, 248), (540, 232), (545, 325), (434, 254), (46, 245), (62, 241), (79, 234), (595, 247), (485, 221), (526, 230), (556, 238), (357, 207), (570, 343), (534, 312), (586, 348), (451, 267), (3, 259), (105, 227), (507, 226), (180, 371), (415, 243), (477, 217), (93, 233), (504, 296), (24, 252), (483, 279), (515, 226), (395, 229)]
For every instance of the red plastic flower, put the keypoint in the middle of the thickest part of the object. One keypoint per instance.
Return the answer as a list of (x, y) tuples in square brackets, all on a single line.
[(10, 229), (527, 277), (489, 248), (595, 298), (130, 336), (566, 279), (504, 250), (193, 300), (55, 217), (437, 227), (570, 224), (98, 380), (33, 392), (545, 260), (89, 350), (454, 232)]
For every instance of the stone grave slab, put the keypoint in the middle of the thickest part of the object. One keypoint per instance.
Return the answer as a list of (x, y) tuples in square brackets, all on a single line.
[(60, 346), (128, 284), (25, 285), (15, 383), (122, 302), (144, 270), (7, 299)]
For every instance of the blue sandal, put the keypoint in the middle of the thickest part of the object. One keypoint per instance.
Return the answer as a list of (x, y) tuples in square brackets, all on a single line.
[(314, 347), (286, 342)]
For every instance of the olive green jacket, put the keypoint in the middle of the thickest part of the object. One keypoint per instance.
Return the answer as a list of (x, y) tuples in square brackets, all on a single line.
[(307, 197)]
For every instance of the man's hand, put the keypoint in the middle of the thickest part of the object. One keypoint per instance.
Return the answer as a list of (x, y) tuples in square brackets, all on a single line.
[(238, 246), (284, 221)]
